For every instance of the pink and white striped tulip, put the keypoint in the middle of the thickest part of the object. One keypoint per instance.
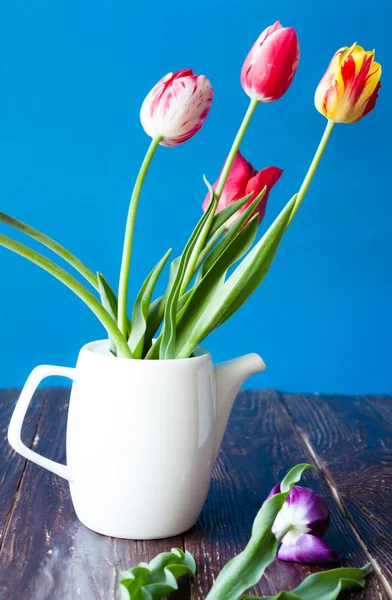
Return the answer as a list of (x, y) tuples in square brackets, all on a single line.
[(243, 179), (300, 525), (271, 64), (176, 107)]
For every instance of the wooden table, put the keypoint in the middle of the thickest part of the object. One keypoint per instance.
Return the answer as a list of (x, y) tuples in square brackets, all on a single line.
[(46, 554)]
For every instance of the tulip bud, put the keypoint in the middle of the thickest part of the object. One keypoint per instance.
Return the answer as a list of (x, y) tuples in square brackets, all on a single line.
[(300, 525), (349, 88), (176, 108), (242, 180), (271, 64)]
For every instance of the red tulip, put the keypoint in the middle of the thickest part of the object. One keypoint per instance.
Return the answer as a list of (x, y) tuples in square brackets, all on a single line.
[(177, 107), (271, 64), (242, 180)]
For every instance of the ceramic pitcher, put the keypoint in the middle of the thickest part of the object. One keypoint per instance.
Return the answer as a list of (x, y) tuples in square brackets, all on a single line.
[(142, 437)]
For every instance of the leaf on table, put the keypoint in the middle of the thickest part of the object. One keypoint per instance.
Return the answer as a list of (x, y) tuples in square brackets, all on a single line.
[(247, 568), (156, 579), (322, 586)]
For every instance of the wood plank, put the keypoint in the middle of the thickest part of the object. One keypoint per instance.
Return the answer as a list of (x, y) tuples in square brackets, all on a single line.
[(353, 439), (11, 463), (47, 553), (261, 444)]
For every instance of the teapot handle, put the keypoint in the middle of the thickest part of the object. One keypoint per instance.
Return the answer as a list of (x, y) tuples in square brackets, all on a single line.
[(15, 427)]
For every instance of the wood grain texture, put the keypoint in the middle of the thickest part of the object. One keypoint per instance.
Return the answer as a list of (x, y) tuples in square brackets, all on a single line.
[(11, 463), (352, 437), (48, 554), (261, 444)]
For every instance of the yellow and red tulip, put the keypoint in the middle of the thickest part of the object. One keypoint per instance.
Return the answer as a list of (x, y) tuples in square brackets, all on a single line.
[(349, 89)]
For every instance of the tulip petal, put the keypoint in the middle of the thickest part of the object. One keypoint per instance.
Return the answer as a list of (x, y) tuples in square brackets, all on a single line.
[(372, 100), (306, 548), (304, 511), (275, 490), (176, 107), (271, 64), (266, 177), (349, 88), (240, 173), (242, 180)]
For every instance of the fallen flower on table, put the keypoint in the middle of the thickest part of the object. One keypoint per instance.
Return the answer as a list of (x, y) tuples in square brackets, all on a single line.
[(300, 525), (247, 568), (154, 580)]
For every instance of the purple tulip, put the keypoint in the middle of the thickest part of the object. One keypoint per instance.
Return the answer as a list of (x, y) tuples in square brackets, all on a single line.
[(300, 525)]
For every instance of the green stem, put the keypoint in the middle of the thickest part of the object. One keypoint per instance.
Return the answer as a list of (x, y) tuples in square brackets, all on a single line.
[(312, 169), (235, 147), (209, 246), (74, 285), (128, 238), (57, 248), (221, 183), (222, 180)]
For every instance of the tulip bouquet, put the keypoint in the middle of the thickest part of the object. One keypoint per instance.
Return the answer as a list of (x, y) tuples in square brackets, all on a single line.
[(221, 265)]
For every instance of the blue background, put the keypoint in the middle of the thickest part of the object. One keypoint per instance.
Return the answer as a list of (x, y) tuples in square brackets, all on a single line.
[(73, 77)]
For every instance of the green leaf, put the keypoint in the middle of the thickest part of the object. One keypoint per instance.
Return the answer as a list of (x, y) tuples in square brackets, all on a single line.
[(54, 246), (73, 284), (247, 568), (232, 232), (154, 319), (200, 240), (322, 586), (224, 215), (141, 306), (293, 476), (251, 272), (167, 348), (157, 308), (156, 579), (108, 297), (109, 302), (235, 251), (153, 352), (211, 306)]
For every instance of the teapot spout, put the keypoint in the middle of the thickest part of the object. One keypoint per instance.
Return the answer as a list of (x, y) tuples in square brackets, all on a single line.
[(229, 377)]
